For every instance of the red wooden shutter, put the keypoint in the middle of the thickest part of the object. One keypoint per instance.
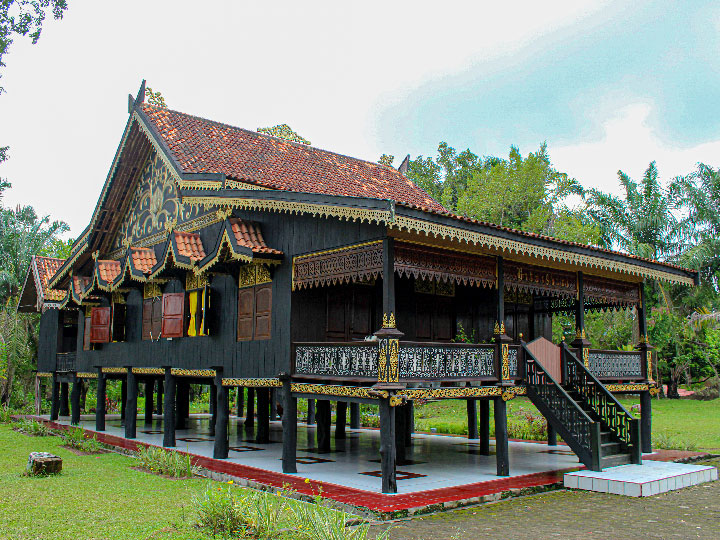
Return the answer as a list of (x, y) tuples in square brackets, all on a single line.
[(246, 312), (147, 321), (263, 311), (173, 311), (86, 334), (100, 325), (156, 318)]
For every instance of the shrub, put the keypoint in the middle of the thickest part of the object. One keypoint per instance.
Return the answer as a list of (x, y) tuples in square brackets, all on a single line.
[(75, 437), (5, 414), (318, 522), (32, 427), (664, 441), (168, 462)]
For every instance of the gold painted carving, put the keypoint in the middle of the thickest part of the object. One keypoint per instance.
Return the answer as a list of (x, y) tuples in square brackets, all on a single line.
[(635, 387), (253, 274), (151, 289), (654, 391), (253, 383), (382, 361), (648, 354), (333, 390), (586, 357), (458, 392), (193, 372), (148, 371), (85, 375), (389, 322), (505, 352), (394, 370), (507, 395), (195, 281), (114, 370), (44, 374)]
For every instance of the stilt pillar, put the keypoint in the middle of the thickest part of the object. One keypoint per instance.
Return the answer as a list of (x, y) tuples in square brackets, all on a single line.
[(323, 425), (131, 407), (340, 419), (55, 400), (311, 412), (552, 435), (250, 414), (472, 418), (646, 422), (273, 404), (123, 400), (484, 427), (64, 399), (354, 416), (213, 408), (387, 446), (263, 415), (409, 422), (159, 400), (100, 401), (222, 412), (502, 455), (149, 388), (289, 424), (169, 410), (400, 420), (75, 402), (240, 401)]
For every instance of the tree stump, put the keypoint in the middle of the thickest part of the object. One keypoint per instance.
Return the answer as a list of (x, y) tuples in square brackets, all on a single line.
[(43, 463)]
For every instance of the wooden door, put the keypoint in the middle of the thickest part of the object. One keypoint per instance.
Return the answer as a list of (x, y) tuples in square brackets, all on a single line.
[(548, 355)]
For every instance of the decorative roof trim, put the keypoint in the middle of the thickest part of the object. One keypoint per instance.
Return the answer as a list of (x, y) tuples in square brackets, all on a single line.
[(540, 252), (339, 265)]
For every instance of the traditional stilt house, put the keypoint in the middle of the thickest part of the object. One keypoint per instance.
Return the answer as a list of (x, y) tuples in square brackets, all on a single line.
[(232, 258)]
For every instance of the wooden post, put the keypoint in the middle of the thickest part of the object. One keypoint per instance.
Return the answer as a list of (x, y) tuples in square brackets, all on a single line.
[(409, 422), (340, 419), (472, 418), (388, 336), (64, 405), (311, 412), (552, 435), (100, 401), (484, 427), (581, 344), (250, 416), (289, 424), (240, 401), (75, 401), (263, 415), (273, 404), (213, 407), (182, 403), (55, 404), (149, 387), (387, 446), (400, 420), (38, 399), (131, 407), (160, 391), (501, 437), (323, 425), (502, 340), (123, 400), (220, 449), (644, 344), (354, 416), (169, 412), (646, 422)]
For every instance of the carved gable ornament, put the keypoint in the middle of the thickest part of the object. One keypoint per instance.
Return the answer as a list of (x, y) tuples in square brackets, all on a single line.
[(154, 208)]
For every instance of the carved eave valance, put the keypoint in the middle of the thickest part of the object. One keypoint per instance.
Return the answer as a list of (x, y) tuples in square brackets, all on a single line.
[(540, 280), (423, 262), (609, 291), (342, 265)]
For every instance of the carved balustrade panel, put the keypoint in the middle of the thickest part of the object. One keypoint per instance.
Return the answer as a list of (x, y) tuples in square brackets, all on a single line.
[(616, 364), (337, 359), (438, 361), (65, 361), (513, 354)]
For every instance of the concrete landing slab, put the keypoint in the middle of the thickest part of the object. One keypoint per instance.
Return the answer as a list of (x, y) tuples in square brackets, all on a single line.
[(650, 478)]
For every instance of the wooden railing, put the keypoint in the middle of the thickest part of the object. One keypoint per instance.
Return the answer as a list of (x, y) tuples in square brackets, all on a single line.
[(417, 361), (65, 361), (616, 365)]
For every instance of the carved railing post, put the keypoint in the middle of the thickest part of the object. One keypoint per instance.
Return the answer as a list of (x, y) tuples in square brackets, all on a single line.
[(581, 344), (502, 340), (644, 346), (388, 336)]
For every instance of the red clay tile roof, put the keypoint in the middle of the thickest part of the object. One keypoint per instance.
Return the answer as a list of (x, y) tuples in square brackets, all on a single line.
[(46, 268), (109, 270), (204, 146), (190, 245), (80, 283), (143, 259), (248, 234)]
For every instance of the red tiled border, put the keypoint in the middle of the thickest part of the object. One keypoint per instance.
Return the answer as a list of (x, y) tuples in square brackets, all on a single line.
[(377, 502)]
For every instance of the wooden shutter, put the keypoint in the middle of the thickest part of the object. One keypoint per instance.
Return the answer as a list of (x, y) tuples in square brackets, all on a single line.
[(246, 312), (147, 318), (263, 311), (173, 311), (336, 327), (361, 313), (86, 334), (100, 325), (156, 318)]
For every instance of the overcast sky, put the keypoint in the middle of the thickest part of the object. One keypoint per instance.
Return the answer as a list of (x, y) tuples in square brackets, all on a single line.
[(606, 85)]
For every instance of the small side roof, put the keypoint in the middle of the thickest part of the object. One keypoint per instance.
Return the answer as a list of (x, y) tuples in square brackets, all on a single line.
[(36, 294)]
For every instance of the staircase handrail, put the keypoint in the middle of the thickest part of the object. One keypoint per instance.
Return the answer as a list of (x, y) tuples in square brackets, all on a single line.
[(585, 441), (617, 418)]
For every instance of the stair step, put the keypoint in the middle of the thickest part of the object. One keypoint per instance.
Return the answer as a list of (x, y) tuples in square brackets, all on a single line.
[(605, 437), (615, 460), (610, 449)]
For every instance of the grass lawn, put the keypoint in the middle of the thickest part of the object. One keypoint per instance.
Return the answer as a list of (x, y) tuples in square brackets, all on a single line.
[(95, 497), (682, 420)]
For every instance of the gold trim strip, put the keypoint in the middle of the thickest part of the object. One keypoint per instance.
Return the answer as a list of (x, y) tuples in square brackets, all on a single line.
[(114, 370), (630, 387), (255, 383), (333, 390), (148, 371), (86, 375), (43, 374), (475, 238), (192, 372)]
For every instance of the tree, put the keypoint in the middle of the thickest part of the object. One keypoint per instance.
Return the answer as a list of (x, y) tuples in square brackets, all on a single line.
[(25, 18)]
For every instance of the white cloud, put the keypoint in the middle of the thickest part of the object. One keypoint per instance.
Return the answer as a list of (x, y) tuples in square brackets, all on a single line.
[(629, 143), (322, 67)]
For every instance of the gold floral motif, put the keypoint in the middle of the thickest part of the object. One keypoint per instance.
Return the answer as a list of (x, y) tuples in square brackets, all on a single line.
[(649, 365), (114, 370), (333, 390), (654, 391), (505, 352), (148, 371), (233, 184), (497, 329), (394, 371), (151, 289), (396, 401), (253, 383), (458, 392), (44, 374), (388, 322), (580, 333), (118, 298), (192, 372), (634, 387), (253, 274), (85, 375), (195, 281), (586, 357), (507, 395), (382, 361)]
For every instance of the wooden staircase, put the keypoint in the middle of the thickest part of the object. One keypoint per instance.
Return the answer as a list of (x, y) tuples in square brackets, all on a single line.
[(600, 431)]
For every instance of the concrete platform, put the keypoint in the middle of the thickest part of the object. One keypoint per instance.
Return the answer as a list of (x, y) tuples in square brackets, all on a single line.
[(650, 478)]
